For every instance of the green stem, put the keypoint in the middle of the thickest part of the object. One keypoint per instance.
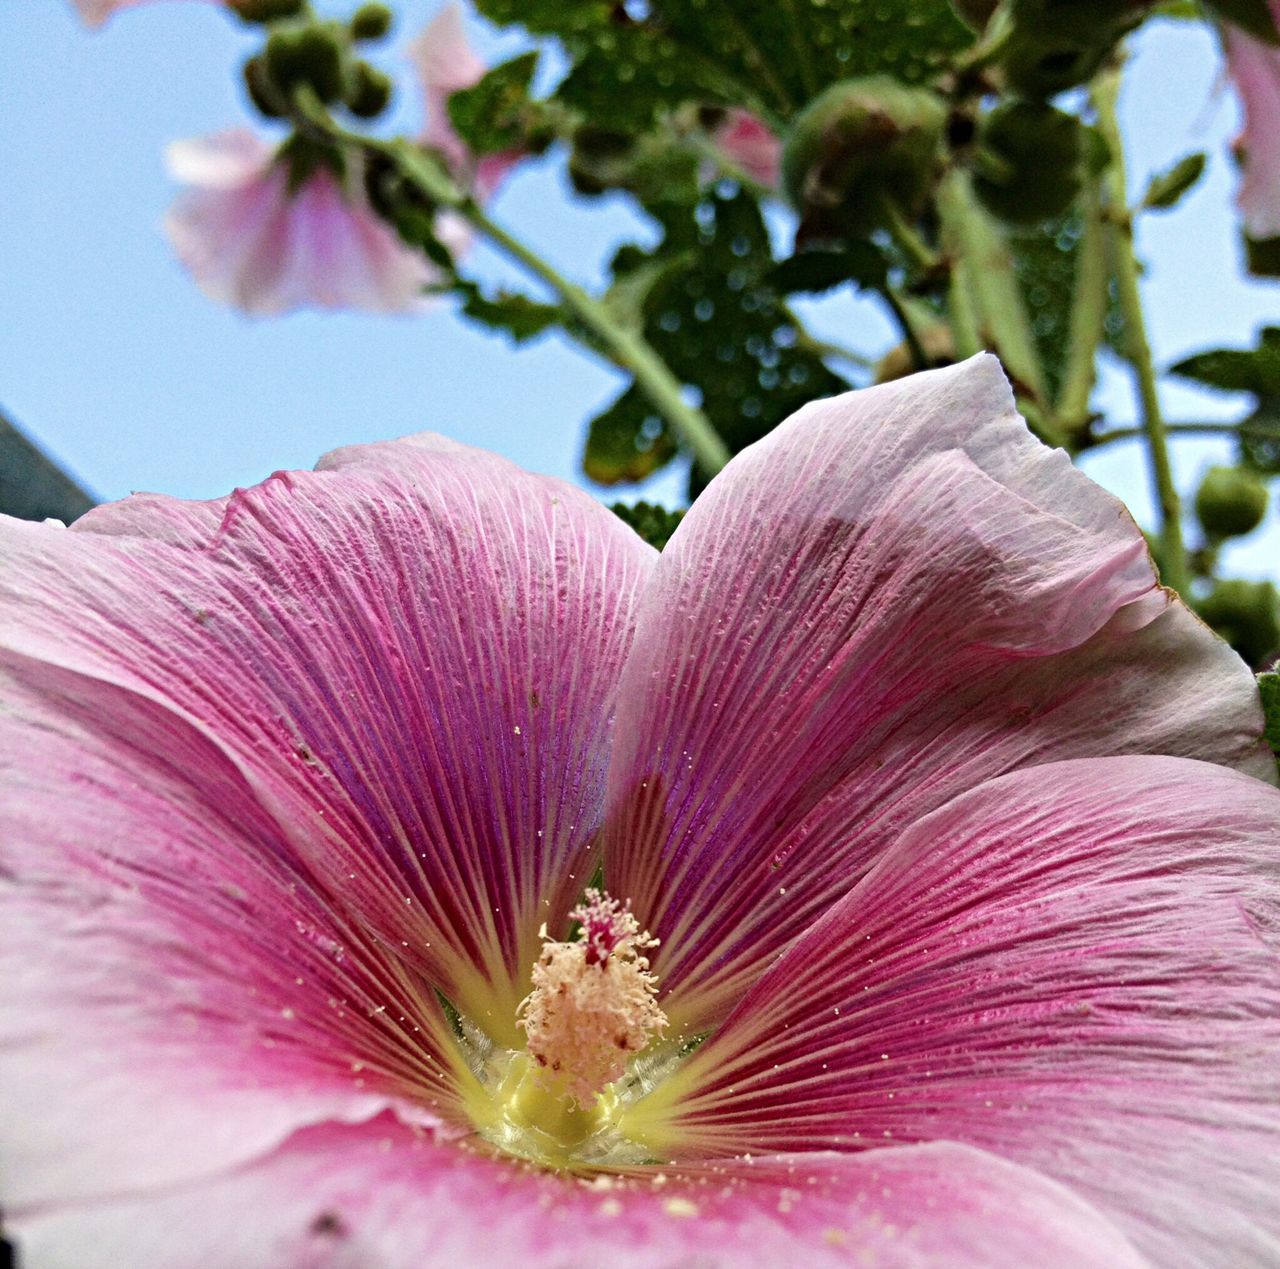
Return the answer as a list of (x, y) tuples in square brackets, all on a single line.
[(1178, 429), (825, 349), (962, 311), (919, 358), (913, 247), (990, 44), (624, 347), (994, 294), (1088, 316), (1124, 265)]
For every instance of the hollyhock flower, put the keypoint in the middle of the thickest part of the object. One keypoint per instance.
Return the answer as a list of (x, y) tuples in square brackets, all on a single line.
[(96, 12), (445, 64), (1255, 67), (751, 145), (404, 865), (253, 241)]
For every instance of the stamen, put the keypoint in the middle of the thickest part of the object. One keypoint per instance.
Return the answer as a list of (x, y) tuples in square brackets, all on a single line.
[(593, 1002)]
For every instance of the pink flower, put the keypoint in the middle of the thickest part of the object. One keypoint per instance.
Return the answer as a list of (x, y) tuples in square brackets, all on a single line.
[(96, 12), (1255, 67), (955, 828), (252, 242), (446, 63), (749, 144)]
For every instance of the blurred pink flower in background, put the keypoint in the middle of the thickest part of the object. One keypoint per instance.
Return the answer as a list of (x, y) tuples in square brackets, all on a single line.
[(252, 242), (750, 144), (96, 12), (446, 63), (1255, 67), (255, 239)]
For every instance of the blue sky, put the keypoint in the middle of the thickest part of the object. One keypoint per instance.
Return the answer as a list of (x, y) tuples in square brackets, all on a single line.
[(115, 363)]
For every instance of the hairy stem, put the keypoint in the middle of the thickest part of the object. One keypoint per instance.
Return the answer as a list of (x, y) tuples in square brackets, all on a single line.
[(992, 296), (1088, 316)]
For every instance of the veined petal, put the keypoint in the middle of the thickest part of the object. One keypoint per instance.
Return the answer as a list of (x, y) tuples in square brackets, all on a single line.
[(896, 595), (1074, 966), (179, 995), (409, 656), (380, 1194)]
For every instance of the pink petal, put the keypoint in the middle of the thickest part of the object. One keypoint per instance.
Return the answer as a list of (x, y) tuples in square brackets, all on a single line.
[(895, 596), (170, 981), (1255, 67), (251, 243), (96, 12), (382, 1195), (750, 144), (309, 750), (1075, 967)]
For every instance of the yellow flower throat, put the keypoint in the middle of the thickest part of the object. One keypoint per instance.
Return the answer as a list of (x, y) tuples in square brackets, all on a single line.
[(591, 1014)]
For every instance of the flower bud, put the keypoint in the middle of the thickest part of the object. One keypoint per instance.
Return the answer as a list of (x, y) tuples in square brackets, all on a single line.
[(264, 11), (1231, 502), (369, 91), (1028, 165), (262, 92), (371, 22), (862, 148), (1058, 44), (1247, 615), (312, 55)]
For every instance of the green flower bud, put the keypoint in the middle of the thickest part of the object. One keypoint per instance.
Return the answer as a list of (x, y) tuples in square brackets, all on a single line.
[(262, 92), (1247, 615), (1058, 44), (371, 22), (264, 11), (861, 148), (312, 55), (1029, 160), (369, 92), (1231, 502)]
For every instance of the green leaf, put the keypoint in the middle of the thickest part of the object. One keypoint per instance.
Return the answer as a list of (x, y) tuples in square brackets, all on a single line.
[(1168, 187), (1255, 16), (1269, 687), (627, 442), (550, 17), (515, 315), (771, 58), (491, 115), (718, 321), (655, 524), (824, 268), (1255, 370), (1258, 437)]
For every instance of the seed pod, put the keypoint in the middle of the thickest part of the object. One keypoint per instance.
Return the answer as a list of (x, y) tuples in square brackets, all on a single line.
[(1247, 615), (860, 150), (1028, 165), (1231, 502)]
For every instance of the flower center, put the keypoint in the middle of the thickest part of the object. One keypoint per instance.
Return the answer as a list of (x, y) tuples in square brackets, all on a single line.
[(591, 1013), (593, 1002)]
